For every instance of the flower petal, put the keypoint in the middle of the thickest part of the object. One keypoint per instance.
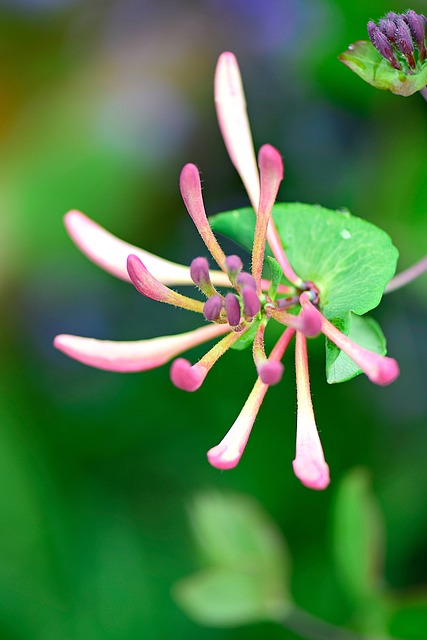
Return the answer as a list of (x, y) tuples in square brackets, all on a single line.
[(147, 284), (309, 464), (191, 191), (405, 277), (228, 452), (138, 355), (110, 253), (379, 369), (271, 172), (234, 124)]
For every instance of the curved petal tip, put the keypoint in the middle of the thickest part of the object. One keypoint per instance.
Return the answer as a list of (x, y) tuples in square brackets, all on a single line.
[(224, 457), (312, 473)]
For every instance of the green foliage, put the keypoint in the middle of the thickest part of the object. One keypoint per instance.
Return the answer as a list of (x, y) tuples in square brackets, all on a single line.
[(364, 331), (362, 58), (358, 540), (410, 619), (276, 275), (349, 259), (246, 572), (247, 338)]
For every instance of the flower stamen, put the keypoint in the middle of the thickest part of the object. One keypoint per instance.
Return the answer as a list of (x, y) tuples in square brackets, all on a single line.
[(190, 377)]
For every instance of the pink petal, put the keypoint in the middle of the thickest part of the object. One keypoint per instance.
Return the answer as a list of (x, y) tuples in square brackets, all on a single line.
[(191, 191), (234, 124), (228, 452), (147, 284), (405, 277), (380, 369), (309, 464), (271, 171), (111, 254), (139, 355)]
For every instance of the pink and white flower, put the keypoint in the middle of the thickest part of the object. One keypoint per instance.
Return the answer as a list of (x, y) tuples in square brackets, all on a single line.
[(230, 314)]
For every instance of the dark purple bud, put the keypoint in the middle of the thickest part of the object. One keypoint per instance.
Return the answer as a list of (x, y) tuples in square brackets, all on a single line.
[(232, 309), (381, 43), (271, 372), (392, 16), (233, 264), (246, 280), (199, 271), (404, 42), (372, 30), (388, 28), (212, 308), (251, 303), (416, 26)]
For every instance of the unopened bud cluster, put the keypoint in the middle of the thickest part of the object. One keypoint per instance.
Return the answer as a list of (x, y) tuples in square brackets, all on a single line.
[(400, 39), (230, 308)]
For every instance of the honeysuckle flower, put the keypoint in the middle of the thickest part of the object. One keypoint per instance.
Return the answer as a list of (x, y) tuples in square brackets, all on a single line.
[(240, 312)]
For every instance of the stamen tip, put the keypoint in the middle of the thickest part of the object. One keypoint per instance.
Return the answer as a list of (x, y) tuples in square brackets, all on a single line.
[(386, 372), (186, 377), (224, 457), (313, 474), (271, 372), (311, 322)]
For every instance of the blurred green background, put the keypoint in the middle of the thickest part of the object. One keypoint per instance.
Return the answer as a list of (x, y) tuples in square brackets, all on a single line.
[(102, 103)]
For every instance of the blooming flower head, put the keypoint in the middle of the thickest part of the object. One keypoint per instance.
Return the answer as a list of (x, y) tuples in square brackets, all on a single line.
[(236, 305)]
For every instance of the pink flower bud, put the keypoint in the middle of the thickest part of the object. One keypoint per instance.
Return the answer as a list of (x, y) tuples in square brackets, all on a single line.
[(199, 271), (212, 308), (246, 280), (233, 264), (251, 303), (232, 308)]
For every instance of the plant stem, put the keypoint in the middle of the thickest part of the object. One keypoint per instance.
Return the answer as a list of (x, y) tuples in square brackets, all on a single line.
[(312, 628), (424, 92)]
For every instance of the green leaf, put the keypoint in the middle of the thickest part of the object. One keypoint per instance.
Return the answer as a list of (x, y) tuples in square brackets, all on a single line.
[(227, 598), (358, 539), (364, 331), (247, 338), (276, 275), (348, 258), (409, 619), (245, 573), (362, 58), (233, 530)]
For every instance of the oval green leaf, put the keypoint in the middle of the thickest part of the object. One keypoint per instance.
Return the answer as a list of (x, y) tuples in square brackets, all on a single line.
[(349, 259)]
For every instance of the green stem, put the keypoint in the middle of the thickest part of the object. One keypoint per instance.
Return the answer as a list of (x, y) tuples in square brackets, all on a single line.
[(311, 628)]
